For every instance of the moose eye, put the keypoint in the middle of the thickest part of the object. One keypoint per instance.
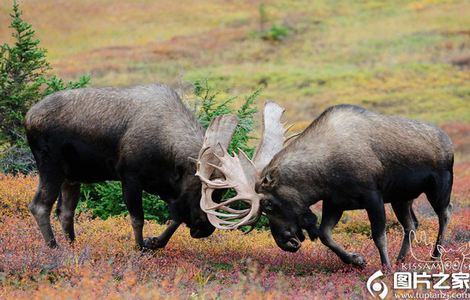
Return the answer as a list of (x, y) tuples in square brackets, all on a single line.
[(266, 180), (267, 205)]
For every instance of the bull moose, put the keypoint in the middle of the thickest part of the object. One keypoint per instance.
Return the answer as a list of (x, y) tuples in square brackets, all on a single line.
[(348, 157), (141, 136)]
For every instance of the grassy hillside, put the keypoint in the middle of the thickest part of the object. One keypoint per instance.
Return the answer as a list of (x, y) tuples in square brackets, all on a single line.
[(402, 57)]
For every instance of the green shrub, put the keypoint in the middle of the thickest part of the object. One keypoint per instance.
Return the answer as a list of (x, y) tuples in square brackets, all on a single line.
[(24, 79), (275, 33), (105, 199), (207, 107), (17, 159)]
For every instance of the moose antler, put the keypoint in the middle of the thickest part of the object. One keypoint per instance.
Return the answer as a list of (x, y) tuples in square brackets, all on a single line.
[(217, 169), (272, 137)]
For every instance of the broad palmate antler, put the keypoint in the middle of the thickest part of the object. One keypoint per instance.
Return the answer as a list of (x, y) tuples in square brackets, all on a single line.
[(217, 169)]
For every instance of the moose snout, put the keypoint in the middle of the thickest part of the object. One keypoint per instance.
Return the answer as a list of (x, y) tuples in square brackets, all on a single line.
[(293, 244), (201, 229), (290, 242)]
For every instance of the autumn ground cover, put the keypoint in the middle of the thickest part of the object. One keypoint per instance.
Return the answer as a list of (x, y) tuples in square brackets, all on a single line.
[(410, 58), (104, 263)]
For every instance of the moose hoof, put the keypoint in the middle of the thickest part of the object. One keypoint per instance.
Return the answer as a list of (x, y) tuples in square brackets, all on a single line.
[(153, 243), (400, 259), (358, 260), (52, 244)]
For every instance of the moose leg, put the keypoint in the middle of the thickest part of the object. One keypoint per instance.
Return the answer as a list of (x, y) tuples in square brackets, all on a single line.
[(444, 217), (330, 217), (439, 197), (308, 221), (162, 240), (132, 193), (376, 211), (41, 206), (403, 211), (68, 200)]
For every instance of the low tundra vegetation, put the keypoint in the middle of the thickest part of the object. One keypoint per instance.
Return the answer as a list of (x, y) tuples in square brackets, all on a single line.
[(103, 262)]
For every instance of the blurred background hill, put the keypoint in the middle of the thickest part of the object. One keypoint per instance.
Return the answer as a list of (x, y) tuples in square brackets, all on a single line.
[(399, 57), (409, 58)]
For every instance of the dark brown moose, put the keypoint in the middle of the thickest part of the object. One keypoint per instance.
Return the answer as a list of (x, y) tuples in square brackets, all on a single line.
[(348, 157), (141, 136)]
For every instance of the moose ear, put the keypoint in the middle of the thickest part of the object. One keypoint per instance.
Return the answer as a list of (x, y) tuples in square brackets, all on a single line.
[(192, 164), (270, 179)]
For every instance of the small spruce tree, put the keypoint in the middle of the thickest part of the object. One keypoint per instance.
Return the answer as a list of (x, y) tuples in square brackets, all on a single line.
[(24, 79)]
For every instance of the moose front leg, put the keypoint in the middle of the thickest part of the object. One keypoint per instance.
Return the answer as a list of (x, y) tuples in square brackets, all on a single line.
[(308, 221), (162, 240), (133, 198), (132, 193), (330, 217)]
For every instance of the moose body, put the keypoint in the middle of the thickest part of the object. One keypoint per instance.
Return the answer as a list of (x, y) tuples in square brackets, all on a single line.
[(141, 136), (352, 158)]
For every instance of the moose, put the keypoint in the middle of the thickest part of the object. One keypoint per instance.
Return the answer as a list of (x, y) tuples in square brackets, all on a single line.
[(348, 157), (142, 136)]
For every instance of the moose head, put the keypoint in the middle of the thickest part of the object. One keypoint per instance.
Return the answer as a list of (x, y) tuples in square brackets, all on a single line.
[(217, 169)]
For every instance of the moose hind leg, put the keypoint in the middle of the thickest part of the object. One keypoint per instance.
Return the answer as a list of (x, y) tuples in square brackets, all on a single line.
[(439, 198), (404, 214), (132, 193), (330, 216), (68, 200), (376, 211), (41, 206)]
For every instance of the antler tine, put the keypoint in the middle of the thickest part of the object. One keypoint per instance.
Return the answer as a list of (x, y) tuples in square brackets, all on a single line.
[(220, 131), (272, 138), (288, 127), (291, 138)]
